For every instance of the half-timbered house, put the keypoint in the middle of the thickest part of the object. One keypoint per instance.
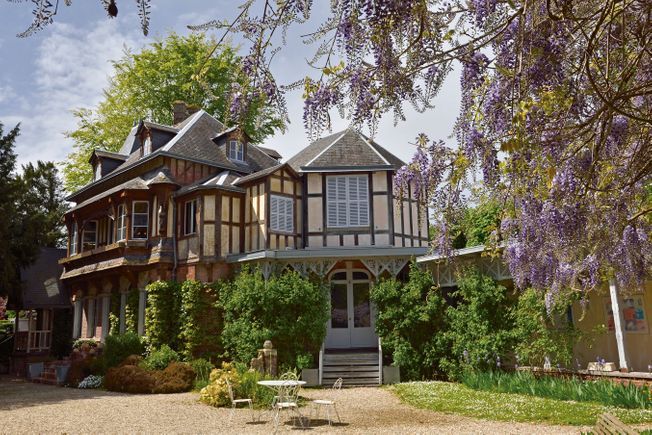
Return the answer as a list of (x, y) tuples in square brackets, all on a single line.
[(196, 200)]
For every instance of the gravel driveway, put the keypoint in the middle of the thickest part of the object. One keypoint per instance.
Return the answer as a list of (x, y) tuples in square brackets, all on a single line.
[(34, 408)]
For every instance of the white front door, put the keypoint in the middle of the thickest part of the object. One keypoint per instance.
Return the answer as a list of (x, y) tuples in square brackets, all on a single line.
[(352, 313)]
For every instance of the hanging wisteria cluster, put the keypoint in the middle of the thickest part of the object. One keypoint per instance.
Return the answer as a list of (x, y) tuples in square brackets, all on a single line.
[(556, 114)]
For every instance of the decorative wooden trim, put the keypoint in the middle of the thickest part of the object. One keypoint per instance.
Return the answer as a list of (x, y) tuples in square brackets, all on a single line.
[(410, 213), (268, 185), (370, 204), (390, 208), (231, 223), (324, 216), (218, 226)]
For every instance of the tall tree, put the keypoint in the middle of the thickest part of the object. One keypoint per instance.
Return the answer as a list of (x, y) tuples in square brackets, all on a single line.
[(9, 190), (144, 85), (31, 208)]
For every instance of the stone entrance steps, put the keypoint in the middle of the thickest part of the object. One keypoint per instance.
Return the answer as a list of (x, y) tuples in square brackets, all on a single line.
[(356, 368), (49, 373)]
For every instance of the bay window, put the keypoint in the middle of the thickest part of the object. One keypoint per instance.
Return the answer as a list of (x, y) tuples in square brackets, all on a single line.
[(89, 235), (121, 232), (190, 217)]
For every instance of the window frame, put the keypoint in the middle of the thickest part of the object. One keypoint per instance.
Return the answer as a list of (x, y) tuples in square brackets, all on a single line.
[(347, 202), (133, 219), (236, 154), (84, 231), (97, 173), (121, 224), (284, 200), (74, 242), (194, 205)]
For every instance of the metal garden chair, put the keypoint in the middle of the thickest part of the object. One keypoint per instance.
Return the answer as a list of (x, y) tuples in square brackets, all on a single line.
[(328, 404), (235, 402), (286, 400)]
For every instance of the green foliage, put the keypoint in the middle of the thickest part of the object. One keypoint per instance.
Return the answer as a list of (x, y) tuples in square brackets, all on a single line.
[(200, 320), (84, 342), (202, 370), (459, 399), (243, 382), (480, 324), (475, 224), (162, 314), (160, 358), (602, 391), (287, 309), (540, 334), (411, 317), (31, 209), (114, 324), (131, 311), (144, 85), (118, 347)]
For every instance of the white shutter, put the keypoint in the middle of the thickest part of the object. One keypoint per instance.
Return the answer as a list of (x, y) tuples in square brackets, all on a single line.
[(273, 214), (331, 200), (289, 215), (363, 197)]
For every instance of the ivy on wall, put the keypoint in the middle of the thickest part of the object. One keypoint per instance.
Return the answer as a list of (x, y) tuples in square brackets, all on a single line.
[(162, 314), (201, 320)]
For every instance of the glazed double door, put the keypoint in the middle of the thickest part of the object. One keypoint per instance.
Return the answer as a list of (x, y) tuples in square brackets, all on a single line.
[(352, 313)]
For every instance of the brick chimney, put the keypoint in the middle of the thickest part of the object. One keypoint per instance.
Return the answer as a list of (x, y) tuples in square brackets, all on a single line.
[(179, 112)]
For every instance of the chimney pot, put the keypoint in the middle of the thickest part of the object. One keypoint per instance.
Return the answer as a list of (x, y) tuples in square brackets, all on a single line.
[(179, 112)]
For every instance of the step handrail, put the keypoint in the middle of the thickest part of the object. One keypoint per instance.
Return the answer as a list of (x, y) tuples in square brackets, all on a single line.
[(380, 362), (321, 363)]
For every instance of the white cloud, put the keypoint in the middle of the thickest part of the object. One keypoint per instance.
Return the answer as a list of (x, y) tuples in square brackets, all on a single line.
[(70, 71)]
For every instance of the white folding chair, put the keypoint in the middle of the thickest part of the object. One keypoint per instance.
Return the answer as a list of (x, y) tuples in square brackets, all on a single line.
[(329, 403), (235, 402)]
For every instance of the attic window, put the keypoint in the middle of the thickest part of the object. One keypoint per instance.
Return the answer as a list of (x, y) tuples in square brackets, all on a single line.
[(147, 146), (236, 150)]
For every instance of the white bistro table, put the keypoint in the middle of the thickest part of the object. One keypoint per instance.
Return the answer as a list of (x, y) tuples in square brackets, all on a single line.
[(278, 384)]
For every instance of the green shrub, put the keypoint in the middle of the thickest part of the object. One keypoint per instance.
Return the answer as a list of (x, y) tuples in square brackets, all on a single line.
[(243, 382), (202, 370), (118, 347), (162, 314), (131, 311), (540, 334), (480, 324), (130, 379), (175, 378), (410, 320), (601, 391), (287, 309), (161, 358), (200, 320), (216, 393)]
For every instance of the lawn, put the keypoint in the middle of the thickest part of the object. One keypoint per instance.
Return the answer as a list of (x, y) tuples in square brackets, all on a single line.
[(458, 399)]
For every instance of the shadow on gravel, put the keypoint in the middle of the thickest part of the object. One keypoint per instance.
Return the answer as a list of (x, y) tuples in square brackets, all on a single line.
[(16, 393)]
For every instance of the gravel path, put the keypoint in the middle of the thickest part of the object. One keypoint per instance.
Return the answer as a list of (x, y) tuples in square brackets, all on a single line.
[(33, 408)]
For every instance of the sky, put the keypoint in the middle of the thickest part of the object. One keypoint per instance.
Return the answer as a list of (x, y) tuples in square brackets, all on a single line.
[(66, 66)]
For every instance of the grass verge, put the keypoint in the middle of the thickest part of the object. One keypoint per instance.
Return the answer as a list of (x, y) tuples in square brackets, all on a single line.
[(458, 399)]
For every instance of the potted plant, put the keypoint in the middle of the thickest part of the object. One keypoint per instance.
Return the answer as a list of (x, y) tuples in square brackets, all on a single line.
[(309, 373)]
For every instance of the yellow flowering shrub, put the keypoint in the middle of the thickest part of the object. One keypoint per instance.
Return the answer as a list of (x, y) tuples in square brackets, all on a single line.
[(216, 393)]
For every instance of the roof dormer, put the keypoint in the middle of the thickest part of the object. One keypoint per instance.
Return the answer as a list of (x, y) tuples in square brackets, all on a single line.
[(104, 162), (235, 150)]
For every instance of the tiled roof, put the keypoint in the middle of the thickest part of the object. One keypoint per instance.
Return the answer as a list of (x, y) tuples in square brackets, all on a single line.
[(110, 155), (270, 152), (41, 287), (348, 148), (259, 174), (223, 180), (137, 183)]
